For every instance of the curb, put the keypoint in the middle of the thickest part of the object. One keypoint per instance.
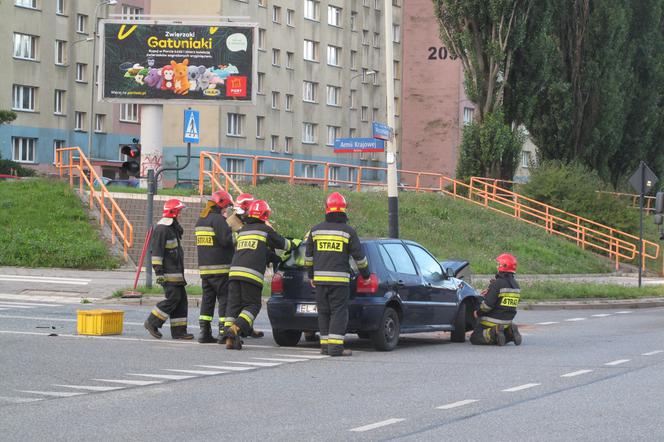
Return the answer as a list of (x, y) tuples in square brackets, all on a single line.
[(150, 301), (594, 304)]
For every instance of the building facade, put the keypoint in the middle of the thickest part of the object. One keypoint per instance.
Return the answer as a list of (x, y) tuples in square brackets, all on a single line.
[(49, 81)]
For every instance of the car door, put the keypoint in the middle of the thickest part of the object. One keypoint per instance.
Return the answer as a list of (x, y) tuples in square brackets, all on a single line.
[(407, 283), (441, 290)]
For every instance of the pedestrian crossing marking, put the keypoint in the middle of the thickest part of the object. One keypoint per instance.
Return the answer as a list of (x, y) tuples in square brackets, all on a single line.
[(281, 360), (217, 367), (129, 382), (170, 377), (90, 387), (52, 393), (196, 372)]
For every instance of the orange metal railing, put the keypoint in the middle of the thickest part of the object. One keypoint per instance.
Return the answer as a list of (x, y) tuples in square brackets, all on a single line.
[(586, 233), (648, 201), (74, 162)]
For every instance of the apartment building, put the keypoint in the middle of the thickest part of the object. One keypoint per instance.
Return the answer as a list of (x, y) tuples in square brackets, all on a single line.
[(48, 81)]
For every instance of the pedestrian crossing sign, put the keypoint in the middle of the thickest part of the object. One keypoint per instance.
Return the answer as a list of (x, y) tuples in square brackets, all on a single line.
[(192, 133)]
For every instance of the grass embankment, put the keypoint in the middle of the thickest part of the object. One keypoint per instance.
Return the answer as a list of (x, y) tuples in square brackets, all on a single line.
[(558, 291), (43, 224)]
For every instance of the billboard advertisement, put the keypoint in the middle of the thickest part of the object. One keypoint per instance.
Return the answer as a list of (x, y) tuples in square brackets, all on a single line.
[(158, 63)]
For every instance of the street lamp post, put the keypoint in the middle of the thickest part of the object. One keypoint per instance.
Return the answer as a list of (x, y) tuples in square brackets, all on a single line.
[(391, 155), (91, 126), (350, 94)]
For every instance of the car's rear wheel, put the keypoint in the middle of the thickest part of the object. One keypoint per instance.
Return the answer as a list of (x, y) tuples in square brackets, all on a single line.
[(286, 338), (363, 335), (386, 337), (459, 333)]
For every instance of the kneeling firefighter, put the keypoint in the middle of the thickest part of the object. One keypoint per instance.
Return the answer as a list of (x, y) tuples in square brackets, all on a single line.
[(214, 243), (497, 311), (255, 241)]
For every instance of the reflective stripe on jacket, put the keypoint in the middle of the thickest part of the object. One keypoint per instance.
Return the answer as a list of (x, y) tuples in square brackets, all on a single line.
[(167, 253), (214, 244), (502, 298)]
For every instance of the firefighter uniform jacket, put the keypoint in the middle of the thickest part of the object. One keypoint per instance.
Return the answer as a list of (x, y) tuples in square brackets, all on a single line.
[(502, 299), (167, 253), (214, 243), (329, 246), (255, 240)]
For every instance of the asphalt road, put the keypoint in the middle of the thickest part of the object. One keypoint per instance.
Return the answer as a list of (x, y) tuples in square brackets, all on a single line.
[(591, 375)]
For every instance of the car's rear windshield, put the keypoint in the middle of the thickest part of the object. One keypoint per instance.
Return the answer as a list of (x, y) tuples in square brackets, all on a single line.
[(296, 259)]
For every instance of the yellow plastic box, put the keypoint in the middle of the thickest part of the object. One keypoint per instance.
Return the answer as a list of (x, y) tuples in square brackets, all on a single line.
[(100, 322)]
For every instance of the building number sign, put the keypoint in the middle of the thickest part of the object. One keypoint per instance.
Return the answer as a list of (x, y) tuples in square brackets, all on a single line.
[(439, 53)]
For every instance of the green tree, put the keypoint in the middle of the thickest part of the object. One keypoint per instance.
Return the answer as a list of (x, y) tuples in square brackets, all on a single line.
[(7, 116)]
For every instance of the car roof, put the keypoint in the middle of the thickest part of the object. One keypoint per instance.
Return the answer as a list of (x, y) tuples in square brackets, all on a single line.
[(386, 240)]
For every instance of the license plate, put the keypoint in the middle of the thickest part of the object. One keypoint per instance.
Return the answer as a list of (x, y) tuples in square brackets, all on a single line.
[(307, 308)]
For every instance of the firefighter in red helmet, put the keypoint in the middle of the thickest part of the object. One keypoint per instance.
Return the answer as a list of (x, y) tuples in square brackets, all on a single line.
[(214, 244), (329, 246), (497, 311), (241, 207), (168, 265)]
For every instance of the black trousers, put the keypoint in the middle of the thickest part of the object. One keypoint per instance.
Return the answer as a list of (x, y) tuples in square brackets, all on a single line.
[(244, 303), (332, 304), (215, 289), (174, 306), (485, 332)]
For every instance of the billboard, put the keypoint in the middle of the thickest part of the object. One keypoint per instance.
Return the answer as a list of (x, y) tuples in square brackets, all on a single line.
[(158, 62)]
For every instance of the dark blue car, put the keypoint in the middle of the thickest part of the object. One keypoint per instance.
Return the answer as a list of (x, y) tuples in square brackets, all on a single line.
[(409, 291)]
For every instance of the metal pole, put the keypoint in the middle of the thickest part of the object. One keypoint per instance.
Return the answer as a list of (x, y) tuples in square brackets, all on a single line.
[(392, 187), (152, 187), (641, 197), (94, 80)]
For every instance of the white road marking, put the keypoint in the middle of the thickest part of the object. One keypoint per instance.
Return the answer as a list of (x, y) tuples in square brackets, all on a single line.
[(281, 360), (90, 387), (650, 353), (7, 305), (520, 387), (256, 364), (47, 278), (129, 382), (20, 400), (4, 309), (377, 425), (457, 404), (45, 298), (618, 362), (575, 373), (44, 318), (31, 304), (602, 315), (43, 280), (110, 338), (52, 393), (196, 372), (318, 356), (170, 377), (575, 319), (219, 367), (626, 312), (548, 323)]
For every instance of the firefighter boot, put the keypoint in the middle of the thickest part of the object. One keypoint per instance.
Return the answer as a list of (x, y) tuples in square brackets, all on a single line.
[(205, 336), (512, 334), (222, 334), (500, 336), (338, 350), (257, 334), (324, 349), (233, 339), (153, 330)]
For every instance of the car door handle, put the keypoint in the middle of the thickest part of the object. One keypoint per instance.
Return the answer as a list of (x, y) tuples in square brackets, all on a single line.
[(401, 283)]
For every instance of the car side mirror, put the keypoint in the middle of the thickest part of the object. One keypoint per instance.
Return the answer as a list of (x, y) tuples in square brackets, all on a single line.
[(449, 273)]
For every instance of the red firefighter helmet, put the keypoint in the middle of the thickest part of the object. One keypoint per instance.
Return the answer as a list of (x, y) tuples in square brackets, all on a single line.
[(243, 201), (221, 198), (260, 209), (506, 263), (173, 207), (335, 203)]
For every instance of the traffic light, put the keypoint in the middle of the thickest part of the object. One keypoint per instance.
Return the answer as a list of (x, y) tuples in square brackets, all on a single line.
[(133, 153), (659, 208)]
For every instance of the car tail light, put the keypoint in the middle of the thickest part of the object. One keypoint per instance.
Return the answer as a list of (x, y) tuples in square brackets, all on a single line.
[(277, 283), (367, 285)]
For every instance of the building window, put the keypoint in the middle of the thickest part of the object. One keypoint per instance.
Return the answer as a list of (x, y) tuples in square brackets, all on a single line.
[(353, 98), (58, 102), (276, 14), (311, 9), (262, 3), (374, 114), (334, 16), (397, 70), (235, 167), (261, 82), (261, 39), (396, 106), (309, 133), (80, 72), (288, 144), (81, 23), (276, 57), (332, 134), (375, 78), (274, 143), (275, 100), (235, 125), (60, 7), (129, 112), (23, 149), (468, 115), (333, 174), (60, 52), (131, 12), (526, 159), (289, 60), (24, 97), (363, 113), (365, 3), (376, 40), (289, 102), (27, 3), (333, 55), (365, 37), (260, 123), (352, 132), (353, 60), (353, 21), (310, 50), (289, 17), (377, 4), (99, 122), (57, 144), (333, 93), (79, 120), (309, 91), (309, 170), (25, 46), (396, 33), (396, 2)]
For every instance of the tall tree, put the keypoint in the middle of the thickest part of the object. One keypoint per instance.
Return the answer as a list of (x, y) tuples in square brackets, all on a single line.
[(7, 116)]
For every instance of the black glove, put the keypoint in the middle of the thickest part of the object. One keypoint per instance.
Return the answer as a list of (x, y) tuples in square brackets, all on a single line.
[(161, 279)]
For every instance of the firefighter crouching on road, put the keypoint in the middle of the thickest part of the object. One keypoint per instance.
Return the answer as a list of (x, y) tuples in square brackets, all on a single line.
[(168, 265), (497, 311), (214, 243), (329, 246), (255, 240)]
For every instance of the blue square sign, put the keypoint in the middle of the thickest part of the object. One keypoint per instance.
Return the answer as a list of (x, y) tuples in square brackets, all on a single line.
[(192, 133)]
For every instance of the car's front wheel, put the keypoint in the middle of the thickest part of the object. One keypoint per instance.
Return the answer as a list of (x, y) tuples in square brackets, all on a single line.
[(286, 338), (386, 337), (459, 332)]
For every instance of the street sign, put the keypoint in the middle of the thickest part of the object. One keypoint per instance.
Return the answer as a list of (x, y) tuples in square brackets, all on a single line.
[(192, 133), (382, 131), (643, 177), (349, 145)]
